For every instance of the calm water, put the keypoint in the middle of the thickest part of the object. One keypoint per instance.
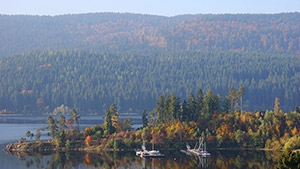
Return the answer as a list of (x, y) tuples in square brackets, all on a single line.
[(12, 128), (173, 159), (10, 131)]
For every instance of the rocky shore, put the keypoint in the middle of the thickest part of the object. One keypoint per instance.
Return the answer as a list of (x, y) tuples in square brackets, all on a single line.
[(41, 147), (30, 147)]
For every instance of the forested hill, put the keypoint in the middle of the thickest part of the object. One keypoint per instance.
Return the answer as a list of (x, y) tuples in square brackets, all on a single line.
[(38, 82), (89, 61), (123, 32)]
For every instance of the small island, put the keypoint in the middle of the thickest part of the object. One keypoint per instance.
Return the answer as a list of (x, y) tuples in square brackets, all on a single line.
[(171, 125)]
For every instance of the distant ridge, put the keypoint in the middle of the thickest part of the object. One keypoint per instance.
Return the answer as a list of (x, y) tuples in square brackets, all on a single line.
[(126, 31)]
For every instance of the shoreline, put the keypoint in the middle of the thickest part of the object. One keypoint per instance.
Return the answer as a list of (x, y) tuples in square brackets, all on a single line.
[(40, 147)]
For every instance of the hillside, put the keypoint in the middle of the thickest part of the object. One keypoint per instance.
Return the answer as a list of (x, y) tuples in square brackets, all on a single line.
[(91, 81), (123, 32), (89, 61)]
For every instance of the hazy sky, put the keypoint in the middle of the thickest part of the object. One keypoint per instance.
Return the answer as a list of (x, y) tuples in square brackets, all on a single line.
[(158, 7)]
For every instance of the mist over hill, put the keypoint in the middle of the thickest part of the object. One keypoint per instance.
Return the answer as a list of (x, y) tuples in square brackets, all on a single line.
[(89, 61), (114, 31)]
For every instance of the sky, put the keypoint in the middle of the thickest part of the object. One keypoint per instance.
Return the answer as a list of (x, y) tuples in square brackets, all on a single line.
[(156, 7)]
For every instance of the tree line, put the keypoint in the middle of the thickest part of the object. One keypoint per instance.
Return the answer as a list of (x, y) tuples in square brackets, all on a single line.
[(42, 81)]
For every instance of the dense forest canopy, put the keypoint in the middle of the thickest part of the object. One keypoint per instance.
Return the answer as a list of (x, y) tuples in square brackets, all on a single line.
[(89, 61), (114, 31), (40, 81)]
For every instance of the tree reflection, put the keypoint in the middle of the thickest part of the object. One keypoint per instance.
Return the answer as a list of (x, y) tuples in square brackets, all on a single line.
[(173, 159)]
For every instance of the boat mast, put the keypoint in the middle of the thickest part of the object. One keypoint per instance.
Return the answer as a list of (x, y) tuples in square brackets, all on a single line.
[(200, 143), (144, 146)]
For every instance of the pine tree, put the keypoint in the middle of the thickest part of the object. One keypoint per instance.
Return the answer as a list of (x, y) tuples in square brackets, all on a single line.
[(62, 121), (199, 103), (108, 122), (233, 95), (160, 109), (184, 112), (172, 108), (116, 122), (226, 104), (144, 118), (166, 113), (276, 106), (241, 93), (75, 118), (177, 109), (211, 104), (52, 126), (191, 107)]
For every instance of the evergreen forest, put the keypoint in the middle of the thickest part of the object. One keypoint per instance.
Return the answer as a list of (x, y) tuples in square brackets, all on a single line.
[(89, 61)]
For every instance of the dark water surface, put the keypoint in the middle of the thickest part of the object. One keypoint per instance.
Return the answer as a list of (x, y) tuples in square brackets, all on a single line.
[(173, 160), (12, 128)]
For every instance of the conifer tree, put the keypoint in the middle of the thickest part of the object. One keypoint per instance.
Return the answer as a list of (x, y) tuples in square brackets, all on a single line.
[(276, 106), (199, 103), (144, 118), (160, 109), (241, 93), (116, 122), (184, 111), (62, 121), (75, 118), (191, 107), (233, 95), (108, 122)]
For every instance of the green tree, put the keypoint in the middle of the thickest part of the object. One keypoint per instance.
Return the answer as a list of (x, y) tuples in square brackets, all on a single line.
[(276, 106), (172, 105), (226, 104), (191, 107), (199, 103), (62, 121), (177, 109), (184, 111), (144, 118), (240, 94), (29, 134), (52, 126), (37, 135), (116, 121), (160, 110), (113, 109), (233, 95), (75, 118), (108, 122), (211, 104)]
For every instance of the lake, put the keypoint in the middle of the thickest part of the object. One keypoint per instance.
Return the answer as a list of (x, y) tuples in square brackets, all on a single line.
[(13, 128)]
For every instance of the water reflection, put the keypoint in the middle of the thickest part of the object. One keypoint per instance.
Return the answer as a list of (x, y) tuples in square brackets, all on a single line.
[(173, 159)]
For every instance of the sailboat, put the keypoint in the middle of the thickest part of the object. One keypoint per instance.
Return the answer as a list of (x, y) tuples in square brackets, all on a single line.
[(138, 153), (146, 154), (201, 150), (154, 152)]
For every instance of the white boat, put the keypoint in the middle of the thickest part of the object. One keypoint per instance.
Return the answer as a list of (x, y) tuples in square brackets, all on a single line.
[(147, 154), (140, 152), (201, 150), (152, 153)]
